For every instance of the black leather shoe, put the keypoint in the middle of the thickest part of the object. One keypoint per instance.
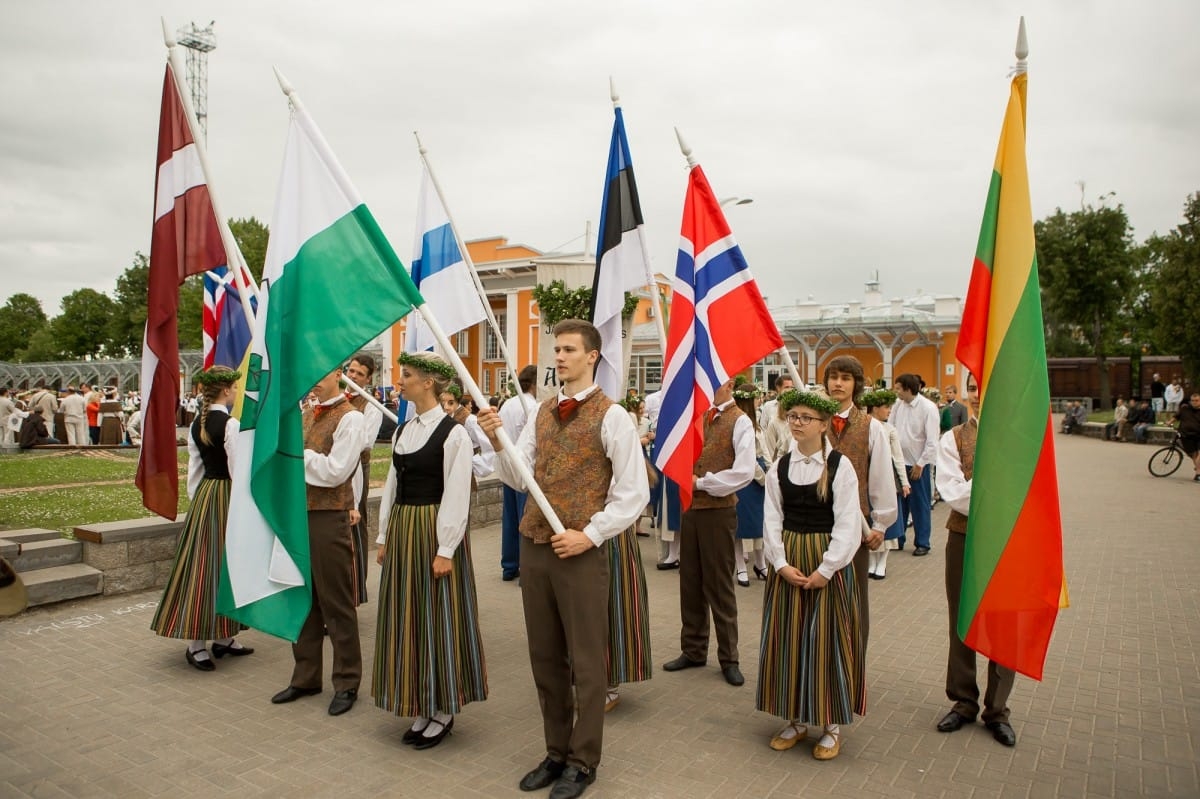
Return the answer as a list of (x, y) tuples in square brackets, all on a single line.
[(573, 782), (508, 577), (760, 573), (342, 701), (547, 772), (411, 736), (953, 721), (292, 693), (733, 675), (1003, 732), (203, 665), (220, 650), (920, 552), (683, 662), (430, 741), (667, 565), (744, 582)]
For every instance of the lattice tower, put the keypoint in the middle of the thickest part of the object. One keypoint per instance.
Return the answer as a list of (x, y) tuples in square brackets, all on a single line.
[(199, 43)]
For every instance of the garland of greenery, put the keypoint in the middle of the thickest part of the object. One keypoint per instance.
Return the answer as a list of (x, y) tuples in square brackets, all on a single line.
[(809, 399), (221, 375), (425, 363), (631, 402), (878, 398), (747, 391), (556, 302)]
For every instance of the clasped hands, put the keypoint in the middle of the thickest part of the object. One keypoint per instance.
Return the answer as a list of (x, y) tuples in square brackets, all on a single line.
[(799, 579)]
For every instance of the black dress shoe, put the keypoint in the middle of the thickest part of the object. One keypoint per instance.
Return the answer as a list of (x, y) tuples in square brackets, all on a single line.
[(733, 675), (683, 662), (220, 650), (744, 582), (430, 741), (508, 577), (573, 782), (292, 693), (953, 721), (411, 736), (667, 565), (920, 552), (900, 546), (1003, 732), (547, 772), (760, 573), (342, 701), (203, 665)]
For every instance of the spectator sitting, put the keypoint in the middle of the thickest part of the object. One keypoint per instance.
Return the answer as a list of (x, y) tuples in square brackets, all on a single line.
[(1075, 418), (34, 432), (1115, 430), (1142, 419)]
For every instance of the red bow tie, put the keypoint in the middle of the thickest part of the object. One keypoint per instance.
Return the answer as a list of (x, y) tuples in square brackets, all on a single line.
[(839, 424), (711, 416), (320, 409), (567, 407)]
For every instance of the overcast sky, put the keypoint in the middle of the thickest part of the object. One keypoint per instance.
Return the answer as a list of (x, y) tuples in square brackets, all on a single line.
[(863, 131)]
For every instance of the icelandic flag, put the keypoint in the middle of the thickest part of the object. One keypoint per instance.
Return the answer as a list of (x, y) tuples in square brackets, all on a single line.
[(620, 263), (440, 273), (719, 326)]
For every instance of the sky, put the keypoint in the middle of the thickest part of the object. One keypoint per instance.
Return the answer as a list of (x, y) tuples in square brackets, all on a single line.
[(864, 132)]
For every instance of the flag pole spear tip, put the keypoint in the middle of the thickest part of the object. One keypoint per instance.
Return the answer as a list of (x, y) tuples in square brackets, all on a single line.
[(612, 92), (683, 147), (168, 36), (420, 147), (286, 86), (1022, 51)]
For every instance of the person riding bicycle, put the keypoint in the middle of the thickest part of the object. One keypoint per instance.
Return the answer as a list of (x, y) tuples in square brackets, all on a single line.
[(1187, 420)]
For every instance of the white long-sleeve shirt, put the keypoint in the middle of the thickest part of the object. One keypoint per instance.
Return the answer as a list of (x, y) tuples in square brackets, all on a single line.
[(739, 475), (629, 490), (919, 426), (483, 462), (195, 463), (952, 485), (881, 486), (897, 454), (847, 524), (372, 419), (341, 464), (516, 413), (456, 478)]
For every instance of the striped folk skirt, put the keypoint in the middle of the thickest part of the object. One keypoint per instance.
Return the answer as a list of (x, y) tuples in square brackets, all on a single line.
[(809, 666), (188, 608), (428, 653), (628, 614)]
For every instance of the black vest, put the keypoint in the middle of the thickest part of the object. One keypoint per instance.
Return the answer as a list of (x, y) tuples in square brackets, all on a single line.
[(419, 477), (216, 465), (803, 512)]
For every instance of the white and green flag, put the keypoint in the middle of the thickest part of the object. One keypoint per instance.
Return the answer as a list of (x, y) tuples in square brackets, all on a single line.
[(331, 283)]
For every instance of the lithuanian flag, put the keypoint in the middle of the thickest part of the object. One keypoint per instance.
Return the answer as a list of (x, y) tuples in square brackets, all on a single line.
[(1013, 563)]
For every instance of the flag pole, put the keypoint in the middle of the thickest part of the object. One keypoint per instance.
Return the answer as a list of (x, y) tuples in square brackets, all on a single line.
[(439, 335), (783, 351), (232, 251), (651, 283), (466, 256), (362, 392)]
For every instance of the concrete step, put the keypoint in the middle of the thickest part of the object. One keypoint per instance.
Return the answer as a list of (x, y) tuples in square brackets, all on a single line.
[(44, 554), (58, 583), (9, 549), (30, 534)]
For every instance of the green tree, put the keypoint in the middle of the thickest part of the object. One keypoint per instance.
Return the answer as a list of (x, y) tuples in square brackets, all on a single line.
[(1174, 288), (81, 329), (251, 236), (191, 309), (42, 347), (1087, 268), (20, 318), (127, 326)]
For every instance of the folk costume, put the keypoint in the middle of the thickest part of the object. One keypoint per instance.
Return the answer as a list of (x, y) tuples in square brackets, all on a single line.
[(372, 418)]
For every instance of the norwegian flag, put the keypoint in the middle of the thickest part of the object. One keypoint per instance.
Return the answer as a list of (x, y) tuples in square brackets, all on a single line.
[(214, 302), (719, 326)]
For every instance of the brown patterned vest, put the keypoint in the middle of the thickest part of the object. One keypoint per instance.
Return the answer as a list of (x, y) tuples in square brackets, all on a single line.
[(570, 466), (318, 436), (855, 444), (359, 402), (964, 438), (717, 456)]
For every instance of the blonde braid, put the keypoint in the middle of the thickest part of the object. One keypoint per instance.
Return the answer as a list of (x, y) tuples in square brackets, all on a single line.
[(212, 389), (823, 481)]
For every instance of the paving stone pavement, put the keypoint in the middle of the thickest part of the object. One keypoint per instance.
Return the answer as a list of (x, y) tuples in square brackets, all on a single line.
[(92, 704)]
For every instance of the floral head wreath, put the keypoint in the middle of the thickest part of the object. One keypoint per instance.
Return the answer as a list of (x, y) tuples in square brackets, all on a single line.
[(746, 391), (217, 375), (427, 364), (454, 390), (878, 398), (631, 402), (809, 399)]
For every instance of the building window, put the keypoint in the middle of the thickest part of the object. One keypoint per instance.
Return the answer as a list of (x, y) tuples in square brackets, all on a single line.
[(501, 381), (487, 381), (462, 343), (491, 347)]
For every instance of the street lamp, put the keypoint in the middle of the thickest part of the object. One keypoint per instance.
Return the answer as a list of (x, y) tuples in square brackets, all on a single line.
[(736, 201)]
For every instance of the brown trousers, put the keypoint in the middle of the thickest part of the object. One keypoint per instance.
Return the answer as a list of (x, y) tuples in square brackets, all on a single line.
[(332, 606), (706, 583), (862, 565), (566, 623), (961, 686)]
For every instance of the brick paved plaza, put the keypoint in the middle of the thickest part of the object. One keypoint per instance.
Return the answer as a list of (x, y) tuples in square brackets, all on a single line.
[(94, 705)]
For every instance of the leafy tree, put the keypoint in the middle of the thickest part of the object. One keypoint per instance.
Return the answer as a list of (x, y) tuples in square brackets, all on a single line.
[(252, 238), (1174, 288), (1087, 268), (81, 329), (20, 318), (128, 323), (191, 309), (42, 347)]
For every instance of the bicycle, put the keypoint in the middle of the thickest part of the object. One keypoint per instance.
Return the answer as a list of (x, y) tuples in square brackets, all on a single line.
[(1166, 460)]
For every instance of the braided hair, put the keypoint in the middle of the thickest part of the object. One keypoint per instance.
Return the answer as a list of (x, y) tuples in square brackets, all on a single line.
[(218, 378)]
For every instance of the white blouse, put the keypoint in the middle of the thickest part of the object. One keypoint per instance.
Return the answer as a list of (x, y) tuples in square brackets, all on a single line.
[(196, 464), (847, 517), (456, 477)]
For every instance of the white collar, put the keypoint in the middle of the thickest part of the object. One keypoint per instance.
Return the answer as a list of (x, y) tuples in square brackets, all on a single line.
[(578, 397), (431, 416)]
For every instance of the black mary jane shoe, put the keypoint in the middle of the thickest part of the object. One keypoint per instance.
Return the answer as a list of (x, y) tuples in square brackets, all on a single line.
[(411, 736), (203, 665), (761, 574), (430, 741), (220, 650), (744, 582)]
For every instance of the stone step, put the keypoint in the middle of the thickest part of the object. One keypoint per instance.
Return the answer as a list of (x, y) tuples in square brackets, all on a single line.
[(44, 554), (9, 549), (58, 583), (31, 534)]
